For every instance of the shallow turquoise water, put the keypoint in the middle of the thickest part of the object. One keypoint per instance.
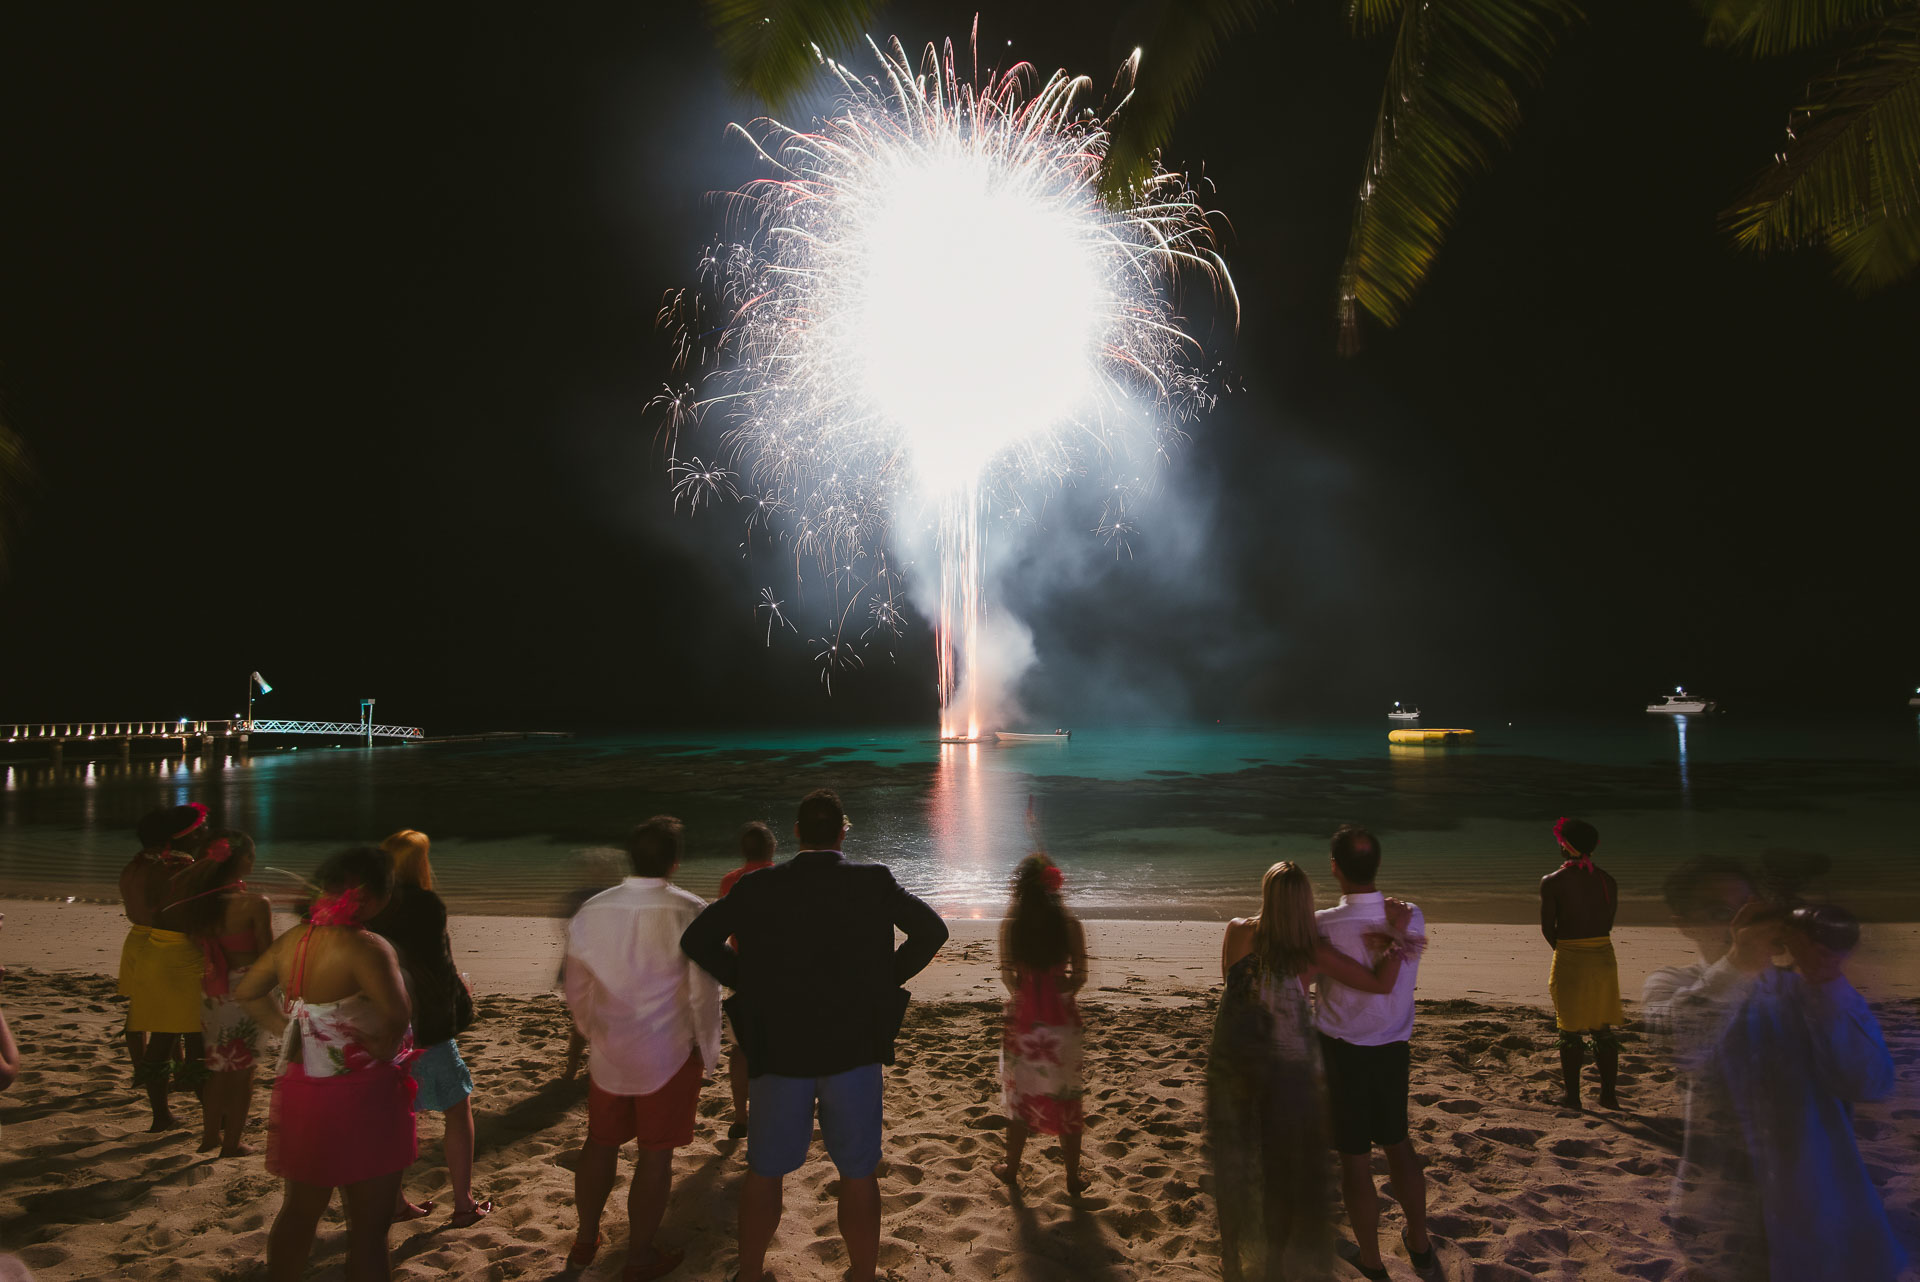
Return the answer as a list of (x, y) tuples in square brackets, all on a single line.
[(1148, 821)]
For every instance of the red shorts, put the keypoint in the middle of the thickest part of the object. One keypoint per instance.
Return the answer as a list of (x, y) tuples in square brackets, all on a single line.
[(662, 1120)]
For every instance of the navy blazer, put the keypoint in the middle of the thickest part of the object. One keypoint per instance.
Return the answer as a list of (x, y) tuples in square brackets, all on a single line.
[(815, 975)]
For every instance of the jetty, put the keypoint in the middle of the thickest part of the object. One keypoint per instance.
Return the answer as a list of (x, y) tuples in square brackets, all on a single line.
[(234, 734)]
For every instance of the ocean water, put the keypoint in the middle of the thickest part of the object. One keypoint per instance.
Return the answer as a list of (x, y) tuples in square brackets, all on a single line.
[(1166, 821)]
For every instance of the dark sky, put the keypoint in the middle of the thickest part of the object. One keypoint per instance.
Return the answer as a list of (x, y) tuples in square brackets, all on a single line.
[(330, 329)]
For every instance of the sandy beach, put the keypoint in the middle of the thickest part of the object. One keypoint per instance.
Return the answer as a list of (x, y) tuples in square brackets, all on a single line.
[(1519, 1186)]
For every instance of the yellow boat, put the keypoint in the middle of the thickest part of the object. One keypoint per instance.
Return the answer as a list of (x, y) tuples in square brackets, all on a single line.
[(1428, 736)]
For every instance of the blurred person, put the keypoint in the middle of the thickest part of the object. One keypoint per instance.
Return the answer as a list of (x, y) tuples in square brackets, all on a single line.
[(652, 1018), (1364, 1044), (1793, 1049), (143, 883), (598, 870), (1043, 963), (1267, 1126), (232, 927), (414, 921), (1577, 903), (163, 981), (817, 1005), (9, 1049), (342, 1109), (758, 846)]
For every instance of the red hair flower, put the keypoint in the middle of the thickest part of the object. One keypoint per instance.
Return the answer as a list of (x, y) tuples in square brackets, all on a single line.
[(1052, 878)]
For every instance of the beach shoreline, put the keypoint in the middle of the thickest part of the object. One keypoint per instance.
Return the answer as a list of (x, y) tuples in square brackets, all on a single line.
[(1133, 960)]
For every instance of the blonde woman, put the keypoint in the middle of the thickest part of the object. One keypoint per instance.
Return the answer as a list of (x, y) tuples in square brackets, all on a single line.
[(415, 923), (1266, 1106)]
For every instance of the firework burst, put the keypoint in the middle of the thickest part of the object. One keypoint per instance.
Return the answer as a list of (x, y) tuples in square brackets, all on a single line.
[(925, 315)]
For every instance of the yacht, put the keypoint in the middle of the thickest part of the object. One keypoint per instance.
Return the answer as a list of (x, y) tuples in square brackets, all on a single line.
[(1681, 702), (1009, 736), (1404, 711)]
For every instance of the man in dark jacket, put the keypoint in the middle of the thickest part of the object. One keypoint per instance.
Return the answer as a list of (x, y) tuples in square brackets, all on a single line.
[(817, 1004)]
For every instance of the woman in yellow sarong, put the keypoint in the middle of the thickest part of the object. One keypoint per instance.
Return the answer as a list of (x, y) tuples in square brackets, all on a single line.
[(1577, 903)]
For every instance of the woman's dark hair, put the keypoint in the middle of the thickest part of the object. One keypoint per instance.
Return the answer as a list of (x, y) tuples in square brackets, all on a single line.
[(198, 908), (1037, 936), (368, 867)]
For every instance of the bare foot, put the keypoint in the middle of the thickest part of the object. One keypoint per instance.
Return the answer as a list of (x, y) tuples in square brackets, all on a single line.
[(1006, 1174), (238, 1150), (164, 1122), (208, 1143), (1076, 1184)]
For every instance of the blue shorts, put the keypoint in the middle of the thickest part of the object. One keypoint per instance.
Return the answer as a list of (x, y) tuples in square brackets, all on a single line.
[(442, 1077), (780, 1121)]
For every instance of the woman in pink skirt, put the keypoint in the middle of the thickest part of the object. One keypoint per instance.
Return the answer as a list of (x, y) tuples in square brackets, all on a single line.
[(342, 1112), (1043, 962)]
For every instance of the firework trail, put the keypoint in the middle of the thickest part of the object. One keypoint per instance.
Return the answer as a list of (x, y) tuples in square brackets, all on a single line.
[(927, 316)]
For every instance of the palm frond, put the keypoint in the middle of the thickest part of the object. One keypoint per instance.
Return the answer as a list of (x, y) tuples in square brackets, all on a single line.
[(1765, 28), (1369, 17), (769, 45), (1450, 101), (1850, 174), (1173, 59)]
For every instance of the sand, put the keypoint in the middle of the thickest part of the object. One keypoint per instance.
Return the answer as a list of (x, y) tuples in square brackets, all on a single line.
[(1519, 1187)]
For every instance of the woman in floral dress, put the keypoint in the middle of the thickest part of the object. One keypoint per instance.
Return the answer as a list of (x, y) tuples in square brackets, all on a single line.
[(232, 926), (1266, 1102), (1043, 962)]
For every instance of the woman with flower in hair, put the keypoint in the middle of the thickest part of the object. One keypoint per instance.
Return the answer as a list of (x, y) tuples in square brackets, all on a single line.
[(1043, 963), (342, 1111), (232, 927)]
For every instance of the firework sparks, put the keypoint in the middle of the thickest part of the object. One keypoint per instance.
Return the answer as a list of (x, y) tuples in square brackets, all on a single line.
[(931, 314)]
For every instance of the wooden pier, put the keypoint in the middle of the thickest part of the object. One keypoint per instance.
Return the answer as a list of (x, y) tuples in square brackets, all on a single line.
[(234, 734)]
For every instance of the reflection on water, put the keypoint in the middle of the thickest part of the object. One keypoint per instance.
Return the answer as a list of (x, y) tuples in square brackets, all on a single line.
[(1162, 822)]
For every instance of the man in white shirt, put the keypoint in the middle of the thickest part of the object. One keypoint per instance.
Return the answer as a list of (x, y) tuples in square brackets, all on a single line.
[(652, 1019), (1363, 1042)]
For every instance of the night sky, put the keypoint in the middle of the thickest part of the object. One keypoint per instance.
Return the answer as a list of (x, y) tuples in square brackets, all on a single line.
[(330, 329)]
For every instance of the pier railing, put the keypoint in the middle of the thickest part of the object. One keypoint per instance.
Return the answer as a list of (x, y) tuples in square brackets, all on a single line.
[(63, 732)]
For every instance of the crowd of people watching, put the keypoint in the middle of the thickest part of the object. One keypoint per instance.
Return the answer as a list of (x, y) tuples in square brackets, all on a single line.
[(1310, 1052)]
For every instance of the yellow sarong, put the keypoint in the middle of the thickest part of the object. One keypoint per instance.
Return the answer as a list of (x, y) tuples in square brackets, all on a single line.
[(163, 986), (1585, 983), (136, 939)]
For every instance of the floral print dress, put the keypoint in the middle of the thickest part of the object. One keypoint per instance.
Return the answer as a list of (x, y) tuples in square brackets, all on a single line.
[(1040, 1054)]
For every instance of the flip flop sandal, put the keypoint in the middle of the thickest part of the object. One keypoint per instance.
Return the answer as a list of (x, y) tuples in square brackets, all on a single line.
[(414, 1211), (482, 1208), (582, 1253)]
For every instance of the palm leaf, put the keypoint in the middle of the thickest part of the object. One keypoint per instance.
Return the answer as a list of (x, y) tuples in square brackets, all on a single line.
[(1173, 59), (1850, 174), (1765, 28), (770, 45), (1369, 17), (1450, 102)]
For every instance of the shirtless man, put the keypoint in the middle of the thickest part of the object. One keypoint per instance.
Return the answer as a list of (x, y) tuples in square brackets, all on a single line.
[(1577, 904), (143, 889)]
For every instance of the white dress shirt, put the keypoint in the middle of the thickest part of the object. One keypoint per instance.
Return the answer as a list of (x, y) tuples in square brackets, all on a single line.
[(642, 1002), (1365, 1019)]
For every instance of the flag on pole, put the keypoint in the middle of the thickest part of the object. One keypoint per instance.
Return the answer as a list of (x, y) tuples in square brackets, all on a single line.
[(262, 683)]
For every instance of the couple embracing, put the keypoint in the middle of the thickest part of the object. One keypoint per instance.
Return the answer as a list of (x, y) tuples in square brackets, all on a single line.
[(1284, 1079)]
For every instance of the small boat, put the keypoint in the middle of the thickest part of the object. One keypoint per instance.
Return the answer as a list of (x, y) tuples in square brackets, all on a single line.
[(1429, 736), (1681, 702), (1008, 736), (1915, 701), (1404, 711)]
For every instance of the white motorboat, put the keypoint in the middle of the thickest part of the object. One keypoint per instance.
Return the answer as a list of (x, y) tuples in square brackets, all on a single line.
[(1404, 711), (1681, 702), (1009, 736), (1915, 701)]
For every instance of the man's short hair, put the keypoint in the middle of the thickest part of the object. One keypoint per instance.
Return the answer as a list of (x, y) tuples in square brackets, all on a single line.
[(757, 842), (820, 820), (654, 846), (1356, 853), (1688, 889)]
